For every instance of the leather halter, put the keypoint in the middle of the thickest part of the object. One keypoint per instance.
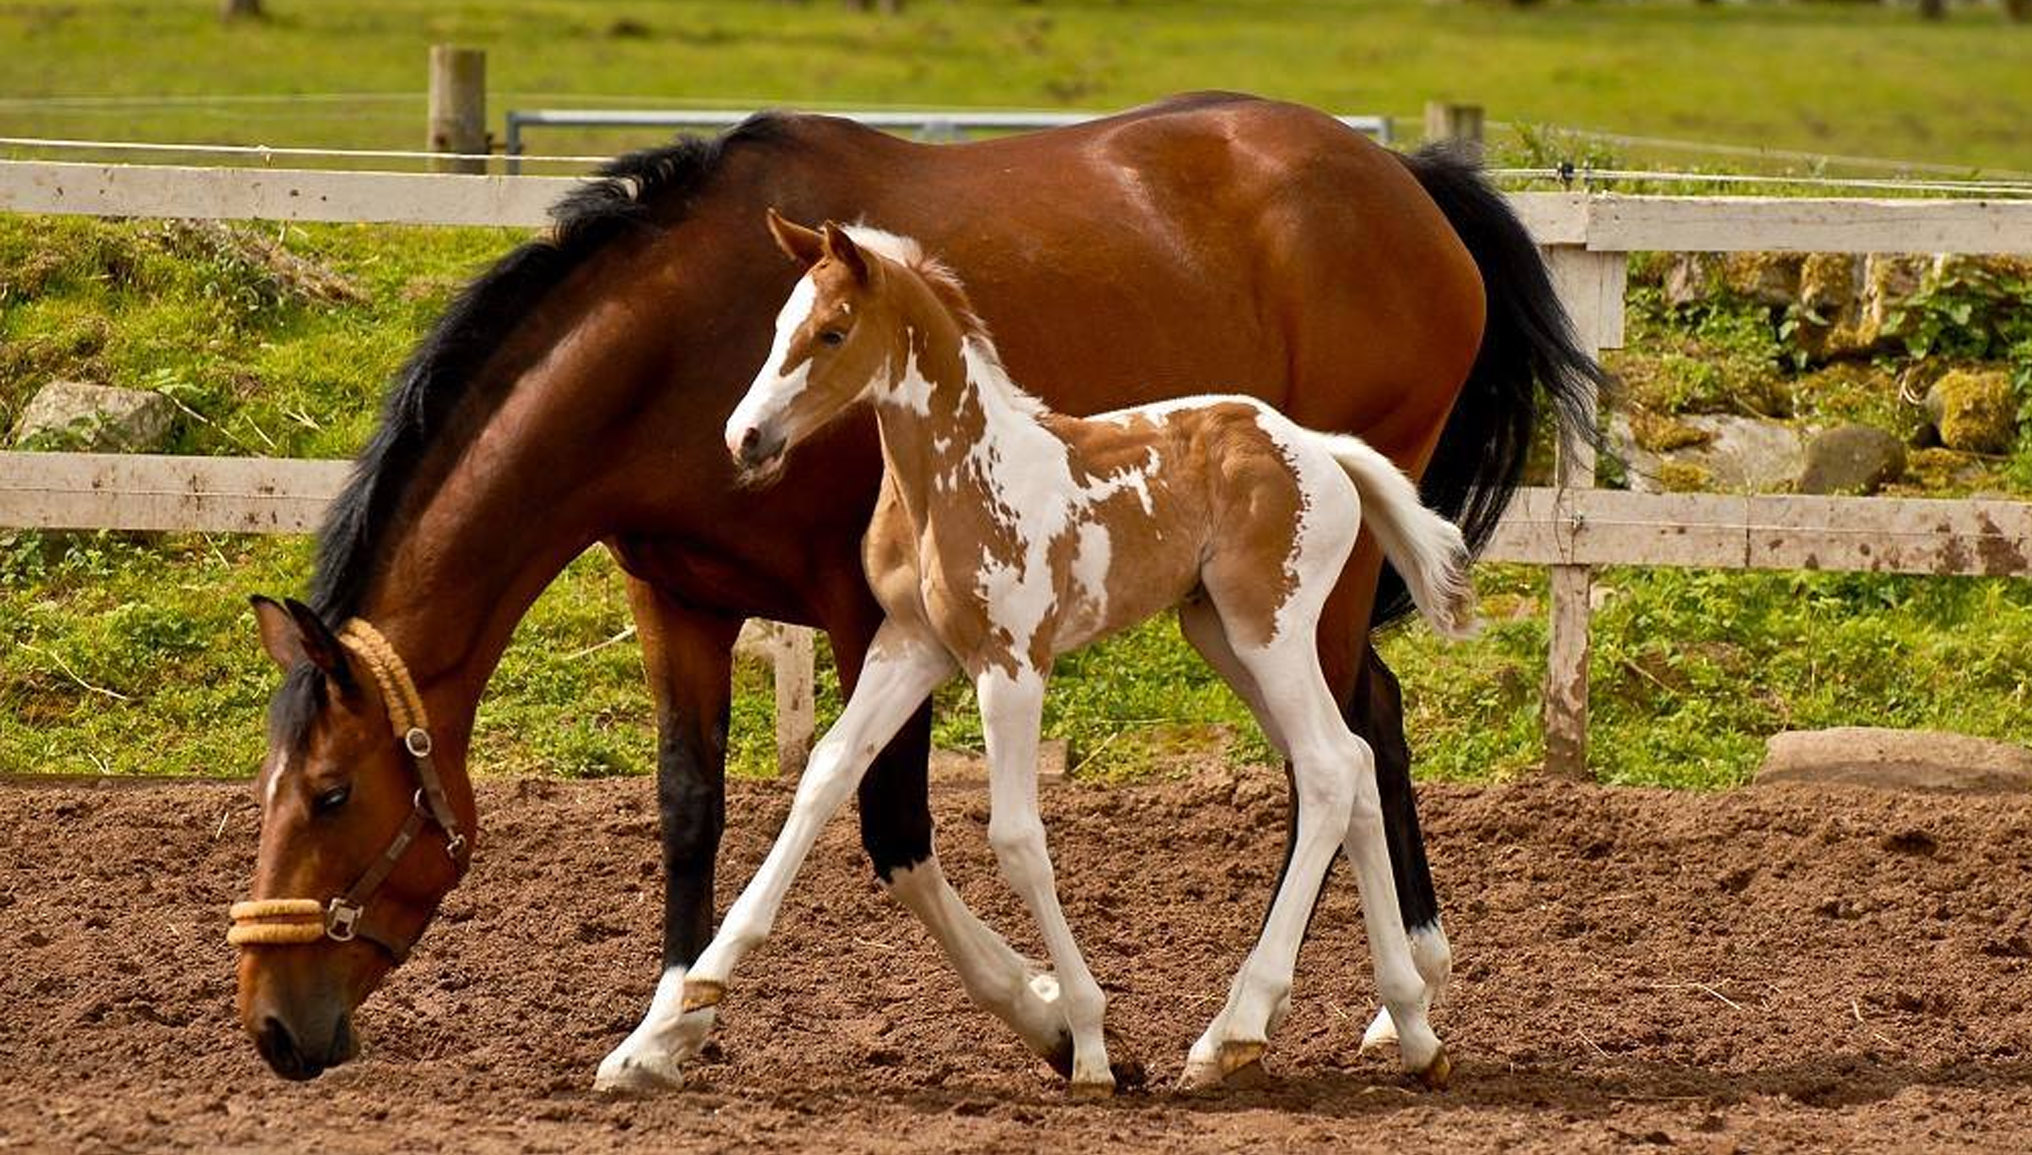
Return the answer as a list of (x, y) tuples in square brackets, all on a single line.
[(283, 921)]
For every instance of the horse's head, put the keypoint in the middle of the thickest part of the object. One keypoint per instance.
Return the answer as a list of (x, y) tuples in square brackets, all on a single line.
[(837, 332), (359, 840)]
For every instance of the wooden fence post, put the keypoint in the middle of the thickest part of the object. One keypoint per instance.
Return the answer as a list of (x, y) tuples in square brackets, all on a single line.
[(796, 708), (458, 107), (1591, 287), (1462, 122)]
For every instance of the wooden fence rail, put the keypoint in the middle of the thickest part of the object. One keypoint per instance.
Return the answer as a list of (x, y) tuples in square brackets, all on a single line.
[(1572, 528)]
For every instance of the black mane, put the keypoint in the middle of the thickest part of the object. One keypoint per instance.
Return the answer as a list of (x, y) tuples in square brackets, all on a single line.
[(639, 190)]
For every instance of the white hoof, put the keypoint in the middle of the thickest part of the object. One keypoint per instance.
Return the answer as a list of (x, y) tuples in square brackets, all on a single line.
[(651, 1060), (1381, 1033), (638, 1074)]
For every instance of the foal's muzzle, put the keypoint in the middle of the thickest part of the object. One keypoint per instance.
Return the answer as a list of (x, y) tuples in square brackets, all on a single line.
[(756, 450)]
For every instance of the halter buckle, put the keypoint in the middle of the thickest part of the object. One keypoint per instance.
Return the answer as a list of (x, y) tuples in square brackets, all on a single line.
[(417, 742), (342, 919)]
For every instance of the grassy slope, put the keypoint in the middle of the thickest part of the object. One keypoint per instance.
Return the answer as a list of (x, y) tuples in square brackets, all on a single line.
[(1691, 668), (1824, 77)]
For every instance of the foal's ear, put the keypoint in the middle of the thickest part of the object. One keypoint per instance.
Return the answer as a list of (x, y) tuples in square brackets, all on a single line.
[(800, 244), (841, 247)]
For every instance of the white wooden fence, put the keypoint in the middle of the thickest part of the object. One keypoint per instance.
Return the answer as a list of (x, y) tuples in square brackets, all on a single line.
[(1571, 528)]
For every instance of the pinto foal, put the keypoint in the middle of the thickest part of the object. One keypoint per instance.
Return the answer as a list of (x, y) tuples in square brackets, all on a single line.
[(1006, 534)]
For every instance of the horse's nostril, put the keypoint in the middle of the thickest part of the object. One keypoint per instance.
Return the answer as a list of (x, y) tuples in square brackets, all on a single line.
[(278, 1046), (750, 439)]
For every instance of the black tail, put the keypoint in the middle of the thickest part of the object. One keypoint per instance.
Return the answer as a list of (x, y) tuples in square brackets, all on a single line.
[(1528, 348)]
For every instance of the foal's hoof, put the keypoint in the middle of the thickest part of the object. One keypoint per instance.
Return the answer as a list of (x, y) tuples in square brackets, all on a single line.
[(702, 993), (1239, 1064), (1129, 1073), (638, 1075), (1438, 1073), (1092, 1090)]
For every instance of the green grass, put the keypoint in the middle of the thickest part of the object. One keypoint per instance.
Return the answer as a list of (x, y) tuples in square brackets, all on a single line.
[(1839, 78), (132, 654)]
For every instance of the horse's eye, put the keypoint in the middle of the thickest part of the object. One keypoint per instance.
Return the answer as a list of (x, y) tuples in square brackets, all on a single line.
[(832, 337), (332, 799)]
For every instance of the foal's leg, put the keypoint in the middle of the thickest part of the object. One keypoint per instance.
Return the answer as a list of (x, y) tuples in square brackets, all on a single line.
[(896, 831), (687, 657), (901, 669), (1012, 709), (1325, 759)]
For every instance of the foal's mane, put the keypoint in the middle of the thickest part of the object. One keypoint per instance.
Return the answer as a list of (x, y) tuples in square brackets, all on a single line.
[(937, 276), (642, 190)]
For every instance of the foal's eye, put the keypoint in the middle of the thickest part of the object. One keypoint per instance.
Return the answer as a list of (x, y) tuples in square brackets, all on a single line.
[(832, 337), (331, 799)]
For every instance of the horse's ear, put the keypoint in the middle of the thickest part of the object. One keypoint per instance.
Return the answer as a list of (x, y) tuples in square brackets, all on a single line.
[(841, 247), (278, 633), (800, 244), (315, 643)]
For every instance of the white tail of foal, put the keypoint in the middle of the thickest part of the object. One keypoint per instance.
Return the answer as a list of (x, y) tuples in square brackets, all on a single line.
[(1427, 549)]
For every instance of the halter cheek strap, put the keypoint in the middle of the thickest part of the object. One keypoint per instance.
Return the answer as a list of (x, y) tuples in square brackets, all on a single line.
[(284, 921)]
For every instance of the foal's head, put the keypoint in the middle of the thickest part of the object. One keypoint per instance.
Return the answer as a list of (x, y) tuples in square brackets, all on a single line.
[(336, 788), (847, 326)]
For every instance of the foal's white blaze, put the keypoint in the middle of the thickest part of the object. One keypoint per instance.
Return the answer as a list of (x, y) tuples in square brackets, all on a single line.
[(772, 389)]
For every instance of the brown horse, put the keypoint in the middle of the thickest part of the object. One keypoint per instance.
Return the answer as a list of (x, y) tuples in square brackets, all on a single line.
[(575, 394), (1007, 535)]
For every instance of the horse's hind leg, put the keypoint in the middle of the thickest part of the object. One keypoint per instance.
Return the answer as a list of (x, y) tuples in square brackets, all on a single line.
[(901, 670), (1012, 709), (1322, 755), (1376, 712)]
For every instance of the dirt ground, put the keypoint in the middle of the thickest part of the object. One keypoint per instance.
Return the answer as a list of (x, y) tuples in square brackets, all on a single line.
[(1772, 969)]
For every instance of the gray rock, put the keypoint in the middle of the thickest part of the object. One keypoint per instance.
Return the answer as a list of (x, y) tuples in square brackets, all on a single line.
[(1852, 459), (79, 416), (1915, 760), (1740, 455)]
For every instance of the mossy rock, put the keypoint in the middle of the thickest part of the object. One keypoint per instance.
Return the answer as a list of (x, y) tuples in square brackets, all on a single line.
[(1661, 434), (1684, 477), (1852, 459), (1973, 410)]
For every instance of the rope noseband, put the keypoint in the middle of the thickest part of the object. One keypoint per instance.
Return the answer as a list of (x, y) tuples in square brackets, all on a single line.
[(285, 921)]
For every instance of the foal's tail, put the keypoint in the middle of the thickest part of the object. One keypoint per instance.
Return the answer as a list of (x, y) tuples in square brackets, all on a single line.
[(1427, 549)]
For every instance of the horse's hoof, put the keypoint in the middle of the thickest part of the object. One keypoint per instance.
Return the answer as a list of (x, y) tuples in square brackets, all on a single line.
[(1437, 1073), (702, 993), (1238, 1055), (1092, 1089)]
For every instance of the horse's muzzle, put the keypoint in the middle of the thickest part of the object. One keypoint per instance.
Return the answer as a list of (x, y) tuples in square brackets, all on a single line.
[(300, 1059)]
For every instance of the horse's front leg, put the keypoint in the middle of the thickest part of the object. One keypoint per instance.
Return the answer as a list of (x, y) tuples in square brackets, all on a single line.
[(901, 670), (688, 658), (1012, 710)]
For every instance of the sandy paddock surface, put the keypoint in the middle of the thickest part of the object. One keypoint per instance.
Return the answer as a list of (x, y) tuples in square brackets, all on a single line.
[(1779, 968)]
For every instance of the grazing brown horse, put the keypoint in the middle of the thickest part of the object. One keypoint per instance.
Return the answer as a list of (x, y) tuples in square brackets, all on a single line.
[(1007, 535), (575, 394)]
